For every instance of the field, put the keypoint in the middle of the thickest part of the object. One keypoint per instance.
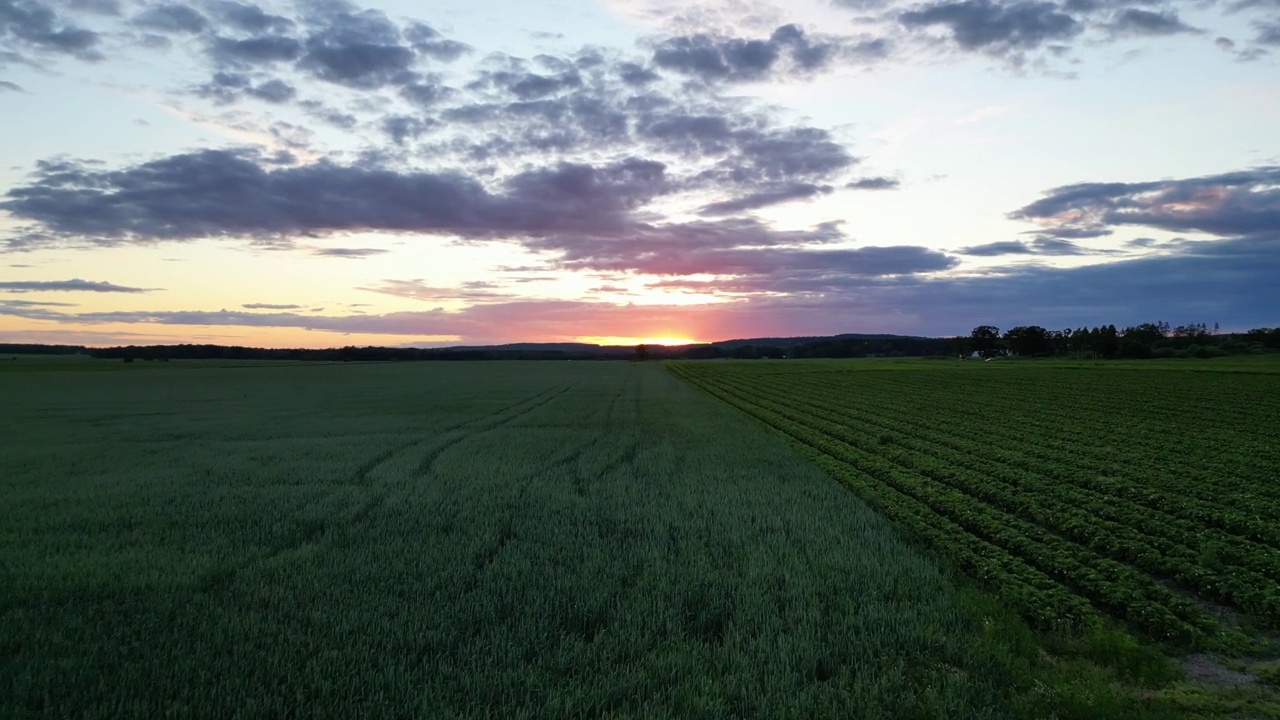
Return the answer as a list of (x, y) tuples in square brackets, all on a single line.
[(605, 539), (1137, 495), (452, 540)]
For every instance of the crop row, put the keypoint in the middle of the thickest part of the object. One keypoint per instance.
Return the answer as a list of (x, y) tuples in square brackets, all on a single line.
[(1056, 475), (1100, 524), (1016, 505)]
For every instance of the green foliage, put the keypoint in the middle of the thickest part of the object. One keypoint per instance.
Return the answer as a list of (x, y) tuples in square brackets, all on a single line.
[(1101, 505)]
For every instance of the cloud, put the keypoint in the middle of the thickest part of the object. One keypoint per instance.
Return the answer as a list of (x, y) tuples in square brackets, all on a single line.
[(247, 17), (787, 52), (362, 50), (1071, 233), (30, 24), (6, 85), (218, 193), (427, 41), (739, 246), (74, 285), (1038, 246), (401, 128), (1244, 203), (171, 18), (419, 290), (252, 51), (349, 253), (996, 27), (1135, 21), (771, 196), (1268, 33), (874, 183), (32, 304), (269, 306), (229, 87), (100, 7)]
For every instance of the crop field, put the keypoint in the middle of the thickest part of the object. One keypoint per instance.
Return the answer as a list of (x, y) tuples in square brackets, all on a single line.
[(1074, 493), (457, 540), (604, 539)]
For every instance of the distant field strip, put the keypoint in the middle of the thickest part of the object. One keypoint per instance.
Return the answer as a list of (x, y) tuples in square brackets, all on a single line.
[(1072, 493)]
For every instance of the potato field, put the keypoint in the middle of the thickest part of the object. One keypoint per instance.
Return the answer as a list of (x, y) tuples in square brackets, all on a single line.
[(1071, 492)]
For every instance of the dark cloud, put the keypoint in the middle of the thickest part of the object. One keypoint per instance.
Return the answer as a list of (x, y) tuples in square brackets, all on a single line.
[(788, 51), (363, 50), (348, 253), (401, 128), (528, 86), (1135, 21), (1038, 246), (1071, 233), (636, 75), (735, 246), (247, 17), (1244, 203), (428, 41), (217, 193), (6, 85), (426, 92), (30, 24), (783, 154), (100, 7), (1268, 33), (33, 304), (228, 87), (874, 183), (75, 285), (329, 115), (172, 18), (751, 153), (254, 51), (994, 26), (269, 306), (224, 87), (784, 269), (273, 91), (764, 198)]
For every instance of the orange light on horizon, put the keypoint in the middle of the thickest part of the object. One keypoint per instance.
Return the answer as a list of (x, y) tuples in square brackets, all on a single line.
[(615, 340)]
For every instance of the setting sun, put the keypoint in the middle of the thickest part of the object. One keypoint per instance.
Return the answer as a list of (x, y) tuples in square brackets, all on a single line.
[(614, 340)]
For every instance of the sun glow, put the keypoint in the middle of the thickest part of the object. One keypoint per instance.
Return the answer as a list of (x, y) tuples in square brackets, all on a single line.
[(614, 340)]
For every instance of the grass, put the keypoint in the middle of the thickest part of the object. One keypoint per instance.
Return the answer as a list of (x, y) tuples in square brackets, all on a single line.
[(463, 540)]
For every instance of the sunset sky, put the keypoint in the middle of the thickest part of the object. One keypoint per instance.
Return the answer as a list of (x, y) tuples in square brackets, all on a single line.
[(321, 173)]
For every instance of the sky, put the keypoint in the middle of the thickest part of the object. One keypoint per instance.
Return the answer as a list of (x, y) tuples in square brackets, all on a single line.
[(322, 173)]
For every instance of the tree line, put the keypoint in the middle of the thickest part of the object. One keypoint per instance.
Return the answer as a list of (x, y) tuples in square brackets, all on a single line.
[(1146, 340)]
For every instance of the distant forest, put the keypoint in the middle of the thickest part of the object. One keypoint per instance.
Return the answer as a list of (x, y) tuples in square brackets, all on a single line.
[(1148, 340)]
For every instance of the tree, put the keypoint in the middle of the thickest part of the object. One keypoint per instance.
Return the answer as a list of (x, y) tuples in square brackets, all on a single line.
[(1106, 341), (985, 340), (642, 352), (1029, 340)]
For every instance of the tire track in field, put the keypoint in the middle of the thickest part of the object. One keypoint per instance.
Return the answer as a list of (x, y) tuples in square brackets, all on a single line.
[(487, 555), (454, 435), (309, 534)]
